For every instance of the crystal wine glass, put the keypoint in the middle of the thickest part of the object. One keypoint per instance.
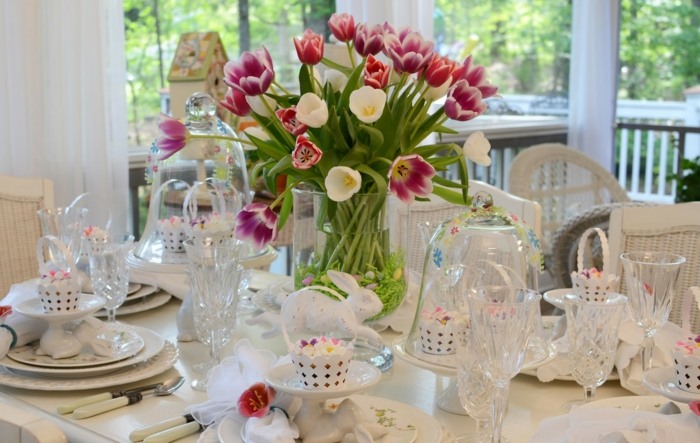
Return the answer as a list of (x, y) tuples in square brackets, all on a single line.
[(592, 329), (502, 318), (109, 271), (650, 277), (214, 274)]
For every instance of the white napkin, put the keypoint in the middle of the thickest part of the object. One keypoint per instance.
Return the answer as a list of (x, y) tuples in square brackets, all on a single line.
[(27, 329), (613, 425), (176, 284)]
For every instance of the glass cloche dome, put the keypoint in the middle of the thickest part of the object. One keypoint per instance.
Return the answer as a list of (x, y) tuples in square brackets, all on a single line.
[(207, 176)]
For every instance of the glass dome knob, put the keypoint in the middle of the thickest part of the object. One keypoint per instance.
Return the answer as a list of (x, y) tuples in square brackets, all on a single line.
[(482, 199), (200, 107)]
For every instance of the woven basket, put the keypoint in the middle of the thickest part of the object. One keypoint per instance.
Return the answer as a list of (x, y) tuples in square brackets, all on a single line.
[(594, 288)]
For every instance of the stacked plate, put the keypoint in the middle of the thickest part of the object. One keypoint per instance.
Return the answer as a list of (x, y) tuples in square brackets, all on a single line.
[(139, 353), (140, 298)]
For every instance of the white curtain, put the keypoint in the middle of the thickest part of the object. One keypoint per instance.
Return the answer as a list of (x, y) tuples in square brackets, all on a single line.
[(593, 78), (62, 99), (417, 14)]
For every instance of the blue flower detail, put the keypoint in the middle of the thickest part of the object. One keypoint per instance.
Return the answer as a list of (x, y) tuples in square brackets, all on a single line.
[(533, 239), (437, 257)]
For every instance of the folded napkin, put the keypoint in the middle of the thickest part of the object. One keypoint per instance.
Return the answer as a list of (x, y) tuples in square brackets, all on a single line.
[(613, 425), (176, 284), (27, 329)]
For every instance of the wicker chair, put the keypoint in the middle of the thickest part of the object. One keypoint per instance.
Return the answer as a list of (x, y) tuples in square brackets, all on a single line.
[(564, 181), (20, 199), (438, 210), (673, 228), (566, 239)]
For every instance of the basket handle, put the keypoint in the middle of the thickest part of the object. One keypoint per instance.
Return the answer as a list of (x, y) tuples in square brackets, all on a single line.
[(189, 205), (688, 298), (603, 244), (328, 290)]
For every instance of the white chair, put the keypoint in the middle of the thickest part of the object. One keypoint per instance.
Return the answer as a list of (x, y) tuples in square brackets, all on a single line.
[(20, 199), (564, 181), (438, 210), (21, 426), (669, 228)]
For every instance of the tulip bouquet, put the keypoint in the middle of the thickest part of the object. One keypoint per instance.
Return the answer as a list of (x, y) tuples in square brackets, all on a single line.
[(359, 129)]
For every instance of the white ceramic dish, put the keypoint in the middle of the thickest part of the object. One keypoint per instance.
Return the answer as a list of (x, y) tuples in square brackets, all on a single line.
[(556, 296), (153, 345), (662, 381), (124, 344), (87, 305), (650, 403), (360, 376), (144, 304), (154, 366), (406, 423)]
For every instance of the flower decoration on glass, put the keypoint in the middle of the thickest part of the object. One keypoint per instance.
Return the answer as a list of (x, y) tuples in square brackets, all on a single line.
[(362, 128)]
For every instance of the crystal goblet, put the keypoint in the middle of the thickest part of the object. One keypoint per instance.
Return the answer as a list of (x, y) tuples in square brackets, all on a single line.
[(502, 318), (214, 274), (650, 277), (109, 271), (592, 329)]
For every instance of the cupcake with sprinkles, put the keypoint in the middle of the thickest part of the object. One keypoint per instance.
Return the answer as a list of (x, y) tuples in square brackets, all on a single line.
[(686, 358), (172, 233), (322, 363), (436, 332)]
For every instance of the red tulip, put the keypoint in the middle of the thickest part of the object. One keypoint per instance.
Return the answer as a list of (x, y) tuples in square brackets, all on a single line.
[(289, 120), (305, 154), (5, 310), (440, 69), (342, 26), (410, 176), (258, 223), (369, 39), (252, 73), (695, 406), (235, 101), (463, 102), (475, 75), (376, 73), (409, 53), (174, 135), (309, 47), (256, 401)]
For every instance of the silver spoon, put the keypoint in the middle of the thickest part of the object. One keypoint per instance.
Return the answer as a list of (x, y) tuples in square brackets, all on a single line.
[(130, 397)]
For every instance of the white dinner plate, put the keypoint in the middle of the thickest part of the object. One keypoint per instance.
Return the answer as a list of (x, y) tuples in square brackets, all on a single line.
[(144, 304), (406, 424), (154, 366), (662, 381), (538, 353), (650, 403), (124, 344), (556, 296), (143, 291), (360, 376), (153, 345)]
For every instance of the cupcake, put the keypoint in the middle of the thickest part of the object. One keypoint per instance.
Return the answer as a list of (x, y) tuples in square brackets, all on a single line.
[(218, 227), (96, 237), (58, 290), (436, 335), (172, 233), (322, 363), (686, 358)]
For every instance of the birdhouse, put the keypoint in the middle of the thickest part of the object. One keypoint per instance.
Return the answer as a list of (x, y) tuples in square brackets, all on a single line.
[(198, 66)]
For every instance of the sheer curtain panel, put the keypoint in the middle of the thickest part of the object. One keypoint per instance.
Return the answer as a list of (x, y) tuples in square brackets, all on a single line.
[(63, 103)]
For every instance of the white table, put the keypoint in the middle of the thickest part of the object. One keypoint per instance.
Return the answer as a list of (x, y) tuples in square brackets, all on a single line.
[(529, 400)]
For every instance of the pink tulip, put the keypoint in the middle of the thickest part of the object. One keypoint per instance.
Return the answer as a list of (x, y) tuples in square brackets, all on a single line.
[(440, 69), (376, 73), (235, 101), (174, 136), (409, 53), (475, 75), (305, 154), (289, 120), (369, 39), (342, 26), (463, 102), (309, 47), (256, 401), (252, 73), (258, 223), (5, 310), (410, 176)]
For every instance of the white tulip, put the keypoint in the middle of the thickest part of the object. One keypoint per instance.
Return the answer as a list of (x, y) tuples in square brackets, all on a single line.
[(337, 79), (342, 183), (439, 92), (258, 106), (312, 111), (367, 103), (476, 148), (256, 132)]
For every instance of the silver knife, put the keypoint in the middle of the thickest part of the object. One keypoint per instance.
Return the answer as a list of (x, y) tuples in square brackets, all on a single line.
[(142, 433)]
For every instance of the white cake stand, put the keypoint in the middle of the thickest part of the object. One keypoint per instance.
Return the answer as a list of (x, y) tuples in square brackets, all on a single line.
[(56, 342), (315, 418)]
